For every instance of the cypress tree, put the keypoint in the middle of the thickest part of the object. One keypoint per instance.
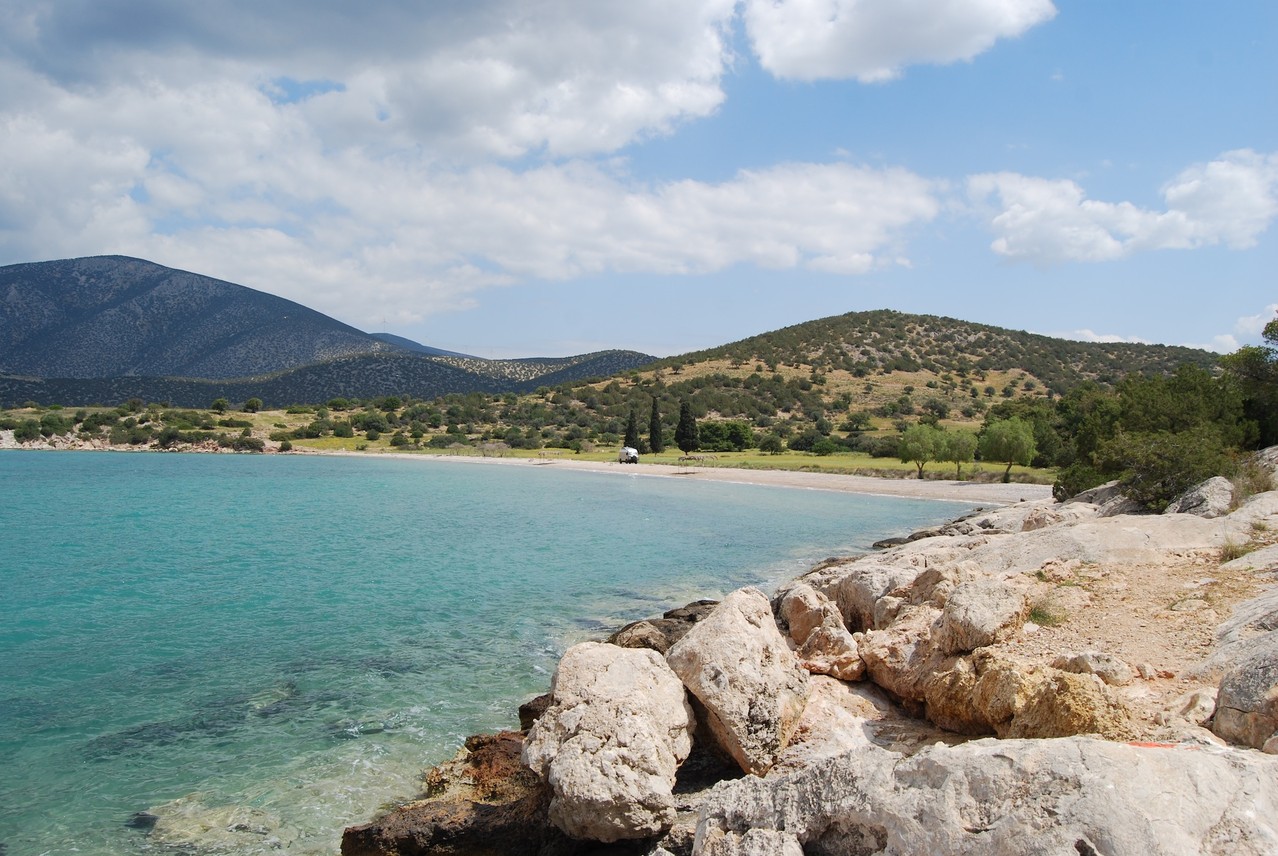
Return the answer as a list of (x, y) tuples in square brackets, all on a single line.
[(632, 430), (686, 431), (655, 440)]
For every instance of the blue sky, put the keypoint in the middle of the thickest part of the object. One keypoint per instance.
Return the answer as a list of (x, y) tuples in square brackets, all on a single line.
[(515, 178)]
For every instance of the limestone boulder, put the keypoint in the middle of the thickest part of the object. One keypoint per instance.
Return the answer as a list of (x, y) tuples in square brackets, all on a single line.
[(1211, 498), (994, 693), (804, 609), (860, 587), (900, 658), (1004, 798), (832, 650), (978, 614), (1247, 704), (618, 727), (739, 667), (1107, 667)]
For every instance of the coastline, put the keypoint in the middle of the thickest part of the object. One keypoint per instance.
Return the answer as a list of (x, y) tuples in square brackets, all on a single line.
[(949, 491)]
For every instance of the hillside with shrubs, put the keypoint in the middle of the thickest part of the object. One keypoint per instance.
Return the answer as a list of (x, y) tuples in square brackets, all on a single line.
[(938, 398)]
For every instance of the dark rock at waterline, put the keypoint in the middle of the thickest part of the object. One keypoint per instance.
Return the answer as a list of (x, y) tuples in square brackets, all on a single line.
[(143, 820), (660, 634), (484, 803), (531, 711), (693, 612)]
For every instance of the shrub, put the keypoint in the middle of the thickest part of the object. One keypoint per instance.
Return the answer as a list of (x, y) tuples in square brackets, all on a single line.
[(26, 431), (1159, 466), (1076, 478)]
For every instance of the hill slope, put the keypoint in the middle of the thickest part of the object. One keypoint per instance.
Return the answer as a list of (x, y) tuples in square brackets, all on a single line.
[(109, 316), (884, 341)]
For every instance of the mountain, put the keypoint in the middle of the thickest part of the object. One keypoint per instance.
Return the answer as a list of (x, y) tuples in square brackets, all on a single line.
[(416, 347), (112, 316), (109, 328)]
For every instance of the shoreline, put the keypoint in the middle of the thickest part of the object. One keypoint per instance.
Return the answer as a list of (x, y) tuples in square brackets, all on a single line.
[(906, 488), (942, 490)]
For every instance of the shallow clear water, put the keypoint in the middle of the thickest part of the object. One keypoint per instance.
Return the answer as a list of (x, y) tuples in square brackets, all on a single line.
[(304, 635)]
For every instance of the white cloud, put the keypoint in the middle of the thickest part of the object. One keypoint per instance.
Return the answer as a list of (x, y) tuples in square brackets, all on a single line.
[(1251, 326), (260, 197), (1091, 336), (872, 40), (462, 81), (1229, 201)]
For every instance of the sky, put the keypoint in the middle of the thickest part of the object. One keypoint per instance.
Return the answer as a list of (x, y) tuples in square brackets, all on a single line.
[(513, 178)]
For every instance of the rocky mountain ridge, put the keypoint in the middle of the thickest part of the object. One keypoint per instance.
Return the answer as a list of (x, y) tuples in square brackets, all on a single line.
[(105, 329), (864, 709)]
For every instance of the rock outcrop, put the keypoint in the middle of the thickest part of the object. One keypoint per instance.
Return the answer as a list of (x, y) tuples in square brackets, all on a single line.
[(611, 742), (1003, 798), (1247, 706), (851, 699), (749, 683), (1211, 498)]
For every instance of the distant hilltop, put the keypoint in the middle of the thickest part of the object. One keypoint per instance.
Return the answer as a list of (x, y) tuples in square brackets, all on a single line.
[(80, 331)]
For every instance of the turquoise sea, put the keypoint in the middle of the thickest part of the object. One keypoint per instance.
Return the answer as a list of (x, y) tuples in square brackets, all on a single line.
[(297, 638)]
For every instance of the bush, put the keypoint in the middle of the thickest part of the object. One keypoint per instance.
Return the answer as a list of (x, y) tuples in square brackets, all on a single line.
[(771, 444), (826, 446), (878, 447), (1076, 478), (1159, 466), (286, 446), (26, 431)]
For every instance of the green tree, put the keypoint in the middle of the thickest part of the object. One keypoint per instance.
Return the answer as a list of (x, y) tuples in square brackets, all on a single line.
[(958, 448), (686, 435), (771, 444), (919, 445), (655, 441), (1008, 440), (1158, 466), (632, 430), (253, 405), (1254, 368), (220, 405)]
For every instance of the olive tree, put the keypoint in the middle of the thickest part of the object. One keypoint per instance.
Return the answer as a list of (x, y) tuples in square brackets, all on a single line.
[(958, 448), (1009, 440), (919, 445)]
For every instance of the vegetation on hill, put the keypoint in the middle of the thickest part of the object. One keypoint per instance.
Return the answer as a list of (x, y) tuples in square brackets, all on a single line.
[(865, 344), (110, 316), (925, 391)]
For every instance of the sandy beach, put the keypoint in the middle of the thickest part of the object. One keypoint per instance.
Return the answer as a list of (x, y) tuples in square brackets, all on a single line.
[(995, 493)]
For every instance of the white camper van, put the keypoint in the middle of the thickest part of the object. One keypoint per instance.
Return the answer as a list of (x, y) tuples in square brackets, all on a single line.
[(628, 455)]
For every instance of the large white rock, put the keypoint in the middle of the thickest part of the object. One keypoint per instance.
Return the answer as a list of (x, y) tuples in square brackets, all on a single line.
[(738, 666), (1211, 498), (1005, 798), (859, 586), (980, 613), (618, 727), (1247, 704)]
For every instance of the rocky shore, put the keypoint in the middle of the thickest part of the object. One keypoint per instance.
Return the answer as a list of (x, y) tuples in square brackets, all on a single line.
[(1043, 678)]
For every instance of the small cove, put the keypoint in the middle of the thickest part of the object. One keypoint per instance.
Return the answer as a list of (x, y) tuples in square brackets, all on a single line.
[(303, 635)]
